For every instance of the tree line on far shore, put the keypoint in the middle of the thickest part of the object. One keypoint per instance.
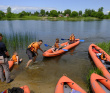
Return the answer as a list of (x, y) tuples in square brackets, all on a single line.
[(54, 13)]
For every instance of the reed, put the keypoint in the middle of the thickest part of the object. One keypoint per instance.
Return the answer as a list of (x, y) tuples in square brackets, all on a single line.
[(16, 41)]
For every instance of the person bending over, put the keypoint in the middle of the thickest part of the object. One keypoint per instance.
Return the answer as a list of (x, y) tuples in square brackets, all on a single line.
[(31, 51)]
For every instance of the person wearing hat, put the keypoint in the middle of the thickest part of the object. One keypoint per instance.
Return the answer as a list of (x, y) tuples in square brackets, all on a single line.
[(4, 62)]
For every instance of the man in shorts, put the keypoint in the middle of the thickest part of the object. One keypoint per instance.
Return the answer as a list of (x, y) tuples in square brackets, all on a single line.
[(32, 51)]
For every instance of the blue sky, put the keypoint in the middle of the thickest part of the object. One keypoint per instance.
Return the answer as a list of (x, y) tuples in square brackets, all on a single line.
[(61, 5)]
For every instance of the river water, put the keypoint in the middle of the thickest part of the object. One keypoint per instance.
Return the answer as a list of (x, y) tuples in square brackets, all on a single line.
[(43, 75)]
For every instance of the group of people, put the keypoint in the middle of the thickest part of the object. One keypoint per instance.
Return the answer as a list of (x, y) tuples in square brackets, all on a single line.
[(31, 51)]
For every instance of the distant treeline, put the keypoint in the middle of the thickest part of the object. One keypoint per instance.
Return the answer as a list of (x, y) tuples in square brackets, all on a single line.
[(54, 13)]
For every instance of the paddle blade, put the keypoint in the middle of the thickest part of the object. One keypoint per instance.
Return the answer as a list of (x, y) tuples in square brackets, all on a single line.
[(46, 45), (65, 49), (62, 39), (81, 40)]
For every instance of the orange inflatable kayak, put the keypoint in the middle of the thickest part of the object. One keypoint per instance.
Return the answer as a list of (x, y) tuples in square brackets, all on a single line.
[(49, 52), (65, 85), (104, 67), (25, 88), (10, 64), (99, 84)]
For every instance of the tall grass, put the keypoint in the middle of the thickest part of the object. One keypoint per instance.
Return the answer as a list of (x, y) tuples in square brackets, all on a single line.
[(16, 41), (93, 70), (105, 46)]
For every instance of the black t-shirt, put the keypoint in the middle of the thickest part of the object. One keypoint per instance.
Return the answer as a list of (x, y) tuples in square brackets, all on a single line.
[(3, 49)]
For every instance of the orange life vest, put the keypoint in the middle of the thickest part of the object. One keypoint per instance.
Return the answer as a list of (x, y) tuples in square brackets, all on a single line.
[(34, 46), (72, 38), (14, 58), (57, 45), (103, 56)]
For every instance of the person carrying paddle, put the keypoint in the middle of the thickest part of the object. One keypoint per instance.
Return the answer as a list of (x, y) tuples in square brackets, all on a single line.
[(32, 51), (57, 46), (4, 55), (72, 39)]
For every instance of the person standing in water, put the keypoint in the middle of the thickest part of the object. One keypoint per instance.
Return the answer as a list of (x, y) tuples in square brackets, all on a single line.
[(31, 51), (4, 55)]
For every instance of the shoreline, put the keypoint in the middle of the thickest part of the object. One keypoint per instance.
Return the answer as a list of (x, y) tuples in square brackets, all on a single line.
[(55, 18)]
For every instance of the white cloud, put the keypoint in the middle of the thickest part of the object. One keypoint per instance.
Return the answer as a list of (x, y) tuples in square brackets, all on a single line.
[(17, 9)]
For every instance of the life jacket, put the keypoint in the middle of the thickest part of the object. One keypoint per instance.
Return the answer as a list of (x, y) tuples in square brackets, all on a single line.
[(33, 45), (72, 38), (102, 56), (14, 58), (56, 45)]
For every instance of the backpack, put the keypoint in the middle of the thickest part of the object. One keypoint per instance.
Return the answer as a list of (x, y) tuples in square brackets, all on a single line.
[(15, 90)]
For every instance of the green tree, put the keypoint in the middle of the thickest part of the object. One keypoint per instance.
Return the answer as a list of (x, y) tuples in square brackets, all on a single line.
[(80, 13), (59, 12), (94, 14), (24, 13), (47, 13), (109, 13), (74, 14), (9, 15), (9, 10), (100, 15), (42, 12), (106, 16), (2, 14), (87, 12), (36, 13), (100, 9), (20, 15), (53, 13), (67, 11)]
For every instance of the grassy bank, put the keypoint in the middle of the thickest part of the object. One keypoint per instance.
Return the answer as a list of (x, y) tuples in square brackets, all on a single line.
[(93, 70), (53, 18), (105, 46)]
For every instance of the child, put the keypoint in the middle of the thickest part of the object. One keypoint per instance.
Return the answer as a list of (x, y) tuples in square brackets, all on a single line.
[(15, 58), (72, 39), (56, 46)]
